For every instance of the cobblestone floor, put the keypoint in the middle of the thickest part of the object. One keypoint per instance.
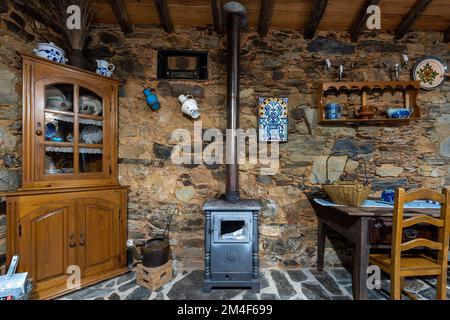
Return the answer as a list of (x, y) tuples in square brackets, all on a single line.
[(301, 284)]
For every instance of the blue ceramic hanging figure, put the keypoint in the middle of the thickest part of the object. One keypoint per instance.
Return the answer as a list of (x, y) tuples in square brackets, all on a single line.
[(152, 99)]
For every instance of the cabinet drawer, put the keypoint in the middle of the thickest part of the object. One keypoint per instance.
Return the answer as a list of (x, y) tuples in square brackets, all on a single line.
[(380, 232)]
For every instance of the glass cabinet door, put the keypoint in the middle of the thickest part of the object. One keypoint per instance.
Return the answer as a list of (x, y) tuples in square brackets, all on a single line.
[(73, 131), (91, 133)]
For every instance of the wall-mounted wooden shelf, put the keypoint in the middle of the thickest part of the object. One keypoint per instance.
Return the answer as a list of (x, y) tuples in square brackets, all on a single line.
[(368, 121), (410, 90)]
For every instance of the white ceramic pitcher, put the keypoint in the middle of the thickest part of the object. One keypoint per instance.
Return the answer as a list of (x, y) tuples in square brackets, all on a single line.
[(105, 68), (189, 106)]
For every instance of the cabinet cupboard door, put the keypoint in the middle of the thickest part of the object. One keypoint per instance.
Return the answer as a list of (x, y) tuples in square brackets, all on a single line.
[(73, 140), (47, 244), (98, 235)]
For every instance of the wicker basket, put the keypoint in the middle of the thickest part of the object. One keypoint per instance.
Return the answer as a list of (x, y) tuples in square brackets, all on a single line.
[(350, 193)]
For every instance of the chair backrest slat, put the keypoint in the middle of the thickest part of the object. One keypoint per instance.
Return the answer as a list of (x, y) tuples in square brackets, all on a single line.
[(424, 194), (421, 243), (423, 219)]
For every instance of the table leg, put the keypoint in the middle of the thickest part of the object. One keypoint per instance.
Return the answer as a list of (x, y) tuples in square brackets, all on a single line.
[(361, 261), (321, 242)]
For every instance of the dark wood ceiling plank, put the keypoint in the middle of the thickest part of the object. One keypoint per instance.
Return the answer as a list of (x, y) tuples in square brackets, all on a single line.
[(121, 15), (317, 15), (412, 16), (164, 15), (216, 8), (361, 19), (265, 17), (37, 14)]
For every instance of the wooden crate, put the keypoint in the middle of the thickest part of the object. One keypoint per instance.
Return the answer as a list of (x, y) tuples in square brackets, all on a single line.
[(154, 278)]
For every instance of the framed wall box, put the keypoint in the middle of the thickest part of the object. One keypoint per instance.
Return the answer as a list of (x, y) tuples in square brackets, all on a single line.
[(176, 64)]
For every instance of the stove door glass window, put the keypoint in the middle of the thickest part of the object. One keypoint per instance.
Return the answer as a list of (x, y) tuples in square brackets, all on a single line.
[(232, 230)]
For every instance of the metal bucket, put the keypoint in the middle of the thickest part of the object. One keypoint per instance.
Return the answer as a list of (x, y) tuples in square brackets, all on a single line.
[(156, 252)]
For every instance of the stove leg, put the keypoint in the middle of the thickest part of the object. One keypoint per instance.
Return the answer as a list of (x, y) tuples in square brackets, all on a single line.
[(206, 288), (256, 288)]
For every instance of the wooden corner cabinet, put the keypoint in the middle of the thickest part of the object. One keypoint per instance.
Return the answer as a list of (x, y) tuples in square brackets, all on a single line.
[(71, 212)]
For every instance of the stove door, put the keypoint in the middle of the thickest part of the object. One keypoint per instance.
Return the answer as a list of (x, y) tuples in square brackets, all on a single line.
[(232, 228), (231, 246)]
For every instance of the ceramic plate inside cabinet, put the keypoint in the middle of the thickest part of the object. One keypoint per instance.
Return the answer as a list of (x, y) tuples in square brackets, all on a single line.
[(90, 105), (430, 71)]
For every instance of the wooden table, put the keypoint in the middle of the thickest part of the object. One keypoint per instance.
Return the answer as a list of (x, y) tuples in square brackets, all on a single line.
[(363, 227)]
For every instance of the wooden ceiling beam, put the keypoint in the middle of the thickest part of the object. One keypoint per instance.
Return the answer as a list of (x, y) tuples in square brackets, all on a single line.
[(265, 17), (413, 15), (121, 15), (37, 14), (447, 35), (164, 15), (216, 8), (317, 15), (361, 19)]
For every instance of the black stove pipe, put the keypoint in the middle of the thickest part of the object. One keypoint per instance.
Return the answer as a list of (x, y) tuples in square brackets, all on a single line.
[(236, 17)]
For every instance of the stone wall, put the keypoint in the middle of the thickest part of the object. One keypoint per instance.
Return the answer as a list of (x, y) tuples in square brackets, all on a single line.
[(17, 34), (282, 64)]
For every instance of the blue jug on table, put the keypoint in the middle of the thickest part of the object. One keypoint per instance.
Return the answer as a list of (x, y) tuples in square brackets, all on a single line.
[(152, 99)]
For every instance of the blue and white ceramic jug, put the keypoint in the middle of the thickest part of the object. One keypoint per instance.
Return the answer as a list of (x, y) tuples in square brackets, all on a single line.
[(333, 111), (105, 68)]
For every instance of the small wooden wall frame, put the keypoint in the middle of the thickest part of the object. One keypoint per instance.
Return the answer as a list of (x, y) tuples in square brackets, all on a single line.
[(410, 91)]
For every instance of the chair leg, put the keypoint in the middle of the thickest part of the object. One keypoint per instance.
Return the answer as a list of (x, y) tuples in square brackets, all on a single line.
[(396, 290), (441, 293)]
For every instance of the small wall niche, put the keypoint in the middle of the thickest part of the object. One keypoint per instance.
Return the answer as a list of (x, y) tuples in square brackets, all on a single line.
[(182, 64)]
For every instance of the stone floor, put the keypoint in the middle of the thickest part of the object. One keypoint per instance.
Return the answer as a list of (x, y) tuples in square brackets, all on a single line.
[(301, 284)]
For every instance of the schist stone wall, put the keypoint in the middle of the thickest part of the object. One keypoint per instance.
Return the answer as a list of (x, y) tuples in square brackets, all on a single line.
[(15, 35), (283, 64)]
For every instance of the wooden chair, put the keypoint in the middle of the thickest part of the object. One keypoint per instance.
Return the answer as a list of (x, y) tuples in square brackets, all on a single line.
[(399, 265)]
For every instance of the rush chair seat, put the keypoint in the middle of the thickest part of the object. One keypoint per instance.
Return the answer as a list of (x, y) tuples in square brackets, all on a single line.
[(400, 264)]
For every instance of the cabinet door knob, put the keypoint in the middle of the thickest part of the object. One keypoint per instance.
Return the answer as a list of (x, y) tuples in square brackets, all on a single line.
[(72, 243), (82, 242), (39, 132)]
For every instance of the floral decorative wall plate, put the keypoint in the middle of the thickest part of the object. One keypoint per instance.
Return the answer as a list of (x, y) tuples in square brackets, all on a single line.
[(430, 71), (273, 119)]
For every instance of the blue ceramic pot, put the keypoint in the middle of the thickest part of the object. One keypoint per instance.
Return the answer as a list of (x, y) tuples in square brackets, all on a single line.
[(50, 52), (333, 111)]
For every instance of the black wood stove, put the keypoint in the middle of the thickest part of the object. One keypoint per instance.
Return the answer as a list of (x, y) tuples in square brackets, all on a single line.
[(231, 224), (231, 244)]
